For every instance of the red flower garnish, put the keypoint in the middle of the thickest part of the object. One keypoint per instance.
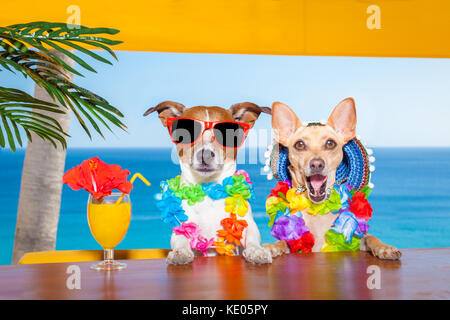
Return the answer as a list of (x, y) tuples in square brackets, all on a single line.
[(360, 206), (304, 244), (98, 178), (282, 187)]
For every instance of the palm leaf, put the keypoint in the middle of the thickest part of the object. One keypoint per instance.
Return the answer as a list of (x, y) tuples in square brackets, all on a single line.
[(30, 50), (20, 110)]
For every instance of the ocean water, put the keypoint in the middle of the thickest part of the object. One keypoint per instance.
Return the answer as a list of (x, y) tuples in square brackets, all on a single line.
[(411, 199)]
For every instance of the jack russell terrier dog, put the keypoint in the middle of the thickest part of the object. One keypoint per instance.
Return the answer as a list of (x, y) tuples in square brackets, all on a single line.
[(315, 152), (208, 155)]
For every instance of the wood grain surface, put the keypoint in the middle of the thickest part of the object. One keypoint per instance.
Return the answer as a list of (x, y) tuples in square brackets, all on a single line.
[(420, 274)]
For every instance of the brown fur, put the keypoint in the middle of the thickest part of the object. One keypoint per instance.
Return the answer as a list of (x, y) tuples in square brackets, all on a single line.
[(207, 114), (340, 128), (245, 112)]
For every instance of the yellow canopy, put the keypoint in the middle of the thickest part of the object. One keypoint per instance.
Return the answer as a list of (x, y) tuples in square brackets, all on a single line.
[(384, 28)]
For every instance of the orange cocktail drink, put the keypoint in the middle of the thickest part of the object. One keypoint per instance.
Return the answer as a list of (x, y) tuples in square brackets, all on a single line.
[(109, 220), (109, 213)]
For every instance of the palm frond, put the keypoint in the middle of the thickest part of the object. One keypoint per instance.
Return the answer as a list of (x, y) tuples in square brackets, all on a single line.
[(20, 110), (29, 49)]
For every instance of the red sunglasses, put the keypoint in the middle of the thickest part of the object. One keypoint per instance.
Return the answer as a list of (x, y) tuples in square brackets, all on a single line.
[(187, 131)]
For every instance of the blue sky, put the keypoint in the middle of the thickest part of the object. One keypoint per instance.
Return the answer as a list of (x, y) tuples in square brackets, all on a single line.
[(400, 102)]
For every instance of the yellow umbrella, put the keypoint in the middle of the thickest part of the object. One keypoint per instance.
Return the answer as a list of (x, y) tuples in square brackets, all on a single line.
[(383, 28)]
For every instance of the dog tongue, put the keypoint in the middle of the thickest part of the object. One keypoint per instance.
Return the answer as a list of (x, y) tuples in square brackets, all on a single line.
[(316, 182)]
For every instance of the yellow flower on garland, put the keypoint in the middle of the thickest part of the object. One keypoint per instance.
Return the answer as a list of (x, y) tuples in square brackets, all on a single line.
[(330, 205), (271, 202), (236, 204), (224, 249), (297, 202), (315, 208), (273, 206)]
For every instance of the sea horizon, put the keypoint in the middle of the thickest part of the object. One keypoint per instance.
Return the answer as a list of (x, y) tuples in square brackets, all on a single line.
[(410, 199)]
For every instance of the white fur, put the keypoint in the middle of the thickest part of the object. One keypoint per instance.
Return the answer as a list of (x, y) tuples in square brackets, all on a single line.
[(207, 215)]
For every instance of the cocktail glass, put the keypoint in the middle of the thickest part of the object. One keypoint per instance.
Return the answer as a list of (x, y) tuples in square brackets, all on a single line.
[(109, 222)]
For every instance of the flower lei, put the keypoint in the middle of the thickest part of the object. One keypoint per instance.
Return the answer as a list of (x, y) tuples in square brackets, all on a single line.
[(236, 190), (285, 204)]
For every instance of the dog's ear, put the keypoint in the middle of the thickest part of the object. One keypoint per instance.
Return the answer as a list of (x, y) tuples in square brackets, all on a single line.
[(247, 112), (167, 109), (284, 122), (343, 119)]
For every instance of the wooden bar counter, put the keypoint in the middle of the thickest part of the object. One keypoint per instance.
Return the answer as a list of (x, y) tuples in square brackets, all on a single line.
[(420, 274)]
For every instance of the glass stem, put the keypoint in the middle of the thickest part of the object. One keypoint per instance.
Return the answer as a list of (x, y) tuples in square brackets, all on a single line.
[(109, 254)]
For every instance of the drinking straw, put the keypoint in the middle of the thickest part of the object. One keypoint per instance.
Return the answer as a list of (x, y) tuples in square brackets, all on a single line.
[(136, 175)]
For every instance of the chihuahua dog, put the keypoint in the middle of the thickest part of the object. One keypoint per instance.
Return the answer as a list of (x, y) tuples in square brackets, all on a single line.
[(315, 153), (205, 157)]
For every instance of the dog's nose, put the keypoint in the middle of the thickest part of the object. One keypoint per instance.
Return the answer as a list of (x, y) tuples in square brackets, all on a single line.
[(317, 165), (205, 156)]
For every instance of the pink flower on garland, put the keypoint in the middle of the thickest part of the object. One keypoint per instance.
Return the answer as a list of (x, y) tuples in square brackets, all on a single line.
[(188, 229), (202, 244), (245, 174), (191, 231)]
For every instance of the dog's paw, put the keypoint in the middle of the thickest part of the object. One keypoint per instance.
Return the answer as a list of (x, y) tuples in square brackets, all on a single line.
[(386, 252), (277, 249), (180, 256), (257, 255)]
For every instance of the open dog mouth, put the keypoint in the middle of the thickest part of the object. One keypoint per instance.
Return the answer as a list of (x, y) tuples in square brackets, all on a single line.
[(317, 187)]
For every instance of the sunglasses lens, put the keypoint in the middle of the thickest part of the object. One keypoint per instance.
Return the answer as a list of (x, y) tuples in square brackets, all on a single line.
[(185, 131), (229, 134)]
